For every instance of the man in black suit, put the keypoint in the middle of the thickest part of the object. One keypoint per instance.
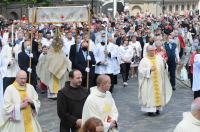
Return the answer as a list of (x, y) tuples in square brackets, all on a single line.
[(81, 59), (24, 61), (73, 50)]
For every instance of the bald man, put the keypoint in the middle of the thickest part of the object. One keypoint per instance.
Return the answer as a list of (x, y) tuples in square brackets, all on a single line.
[(100, 104), (191, 120), (21, 105), (154, 87)]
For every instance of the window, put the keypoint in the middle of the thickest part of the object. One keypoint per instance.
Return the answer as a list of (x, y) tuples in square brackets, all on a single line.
[(170, 8), (164, 8), (182, 7), (176, 7), (188, 7), (193, 6)]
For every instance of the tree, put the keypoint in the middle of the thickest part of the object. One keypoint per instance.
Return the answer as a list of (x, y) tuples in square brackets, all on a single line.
[(43, 2)]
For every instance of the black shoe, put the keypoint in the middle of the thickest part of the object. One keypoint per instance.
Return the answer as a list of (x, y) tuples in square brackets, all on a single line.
[(53, 98), (157, 112), (150, 114), (42, 91), (173, 88)]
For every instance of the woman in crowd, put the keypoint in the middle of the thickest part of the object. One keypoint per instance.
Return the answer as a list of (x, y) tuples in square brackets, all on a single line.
[(126, 55), (92, 125), (137, 49)]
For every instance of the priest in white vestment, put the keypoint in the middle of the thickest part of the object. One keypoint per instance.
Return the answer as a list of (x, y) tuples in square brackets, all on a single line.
[(151, 42), (196, 74), (53, 68), (191, 120), (100, 104), (105, 56), (68, 41), (2, 74), (154, 87), (10, 54), (21, 106)]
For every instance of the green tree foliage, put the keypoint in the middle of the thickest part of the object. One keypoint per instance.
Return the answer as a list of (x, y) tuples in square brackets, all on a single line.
[(44, 2)]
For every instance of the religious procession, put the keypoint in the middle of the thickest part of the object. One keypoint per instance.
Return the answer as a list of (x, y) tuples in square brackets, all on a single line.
[(76, 59)]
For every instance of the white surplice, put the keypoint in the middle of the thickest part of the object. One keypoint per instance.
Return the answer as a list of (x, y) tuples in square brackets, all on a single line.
[(2, 74), (196, 73), (102, 106), (7, 53), (67, 45), (12, 103), (100, 57), (188, 124)]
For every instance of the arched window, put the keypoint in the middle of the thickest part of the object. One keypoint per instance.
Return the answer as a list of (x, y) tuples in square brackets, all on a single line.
[(188, 7), (176, 7), (170, 8), (14, 15), (193, 6), (182, 7), (164, 8)]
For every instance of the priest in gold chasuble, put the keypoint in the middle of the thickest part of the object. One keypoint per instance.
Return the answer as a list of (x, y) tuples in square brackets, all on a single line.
[(154, 87), (55, 70)]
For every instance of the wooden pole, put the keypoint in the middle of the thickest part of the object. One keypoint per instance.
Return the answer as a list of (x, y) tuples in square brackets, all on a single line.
[(88, 63), (30, 58), (12, 40)]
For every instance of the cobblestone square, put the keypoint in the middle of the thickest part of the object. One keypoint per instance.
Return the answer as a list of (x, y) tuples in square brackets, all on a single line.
[(131, 119)]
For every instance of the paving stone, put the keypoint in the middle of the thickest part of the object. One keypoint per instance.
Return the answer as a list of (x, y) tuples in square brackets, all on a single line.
[(131, 119)]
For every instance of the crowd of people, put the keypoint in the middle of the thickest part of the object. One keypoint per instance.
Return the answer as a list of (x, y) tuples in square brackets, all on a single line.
[(79, 65)]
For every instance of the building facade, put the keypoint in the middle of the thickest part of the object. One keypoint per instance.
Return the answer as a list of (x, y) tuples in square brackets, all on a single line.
[(15, 9), (159, 6)]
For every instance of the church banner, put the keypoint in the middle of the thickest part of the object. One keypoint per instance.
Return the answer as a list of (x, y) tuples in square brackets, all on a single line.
[(31, 15), (58, 14)]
